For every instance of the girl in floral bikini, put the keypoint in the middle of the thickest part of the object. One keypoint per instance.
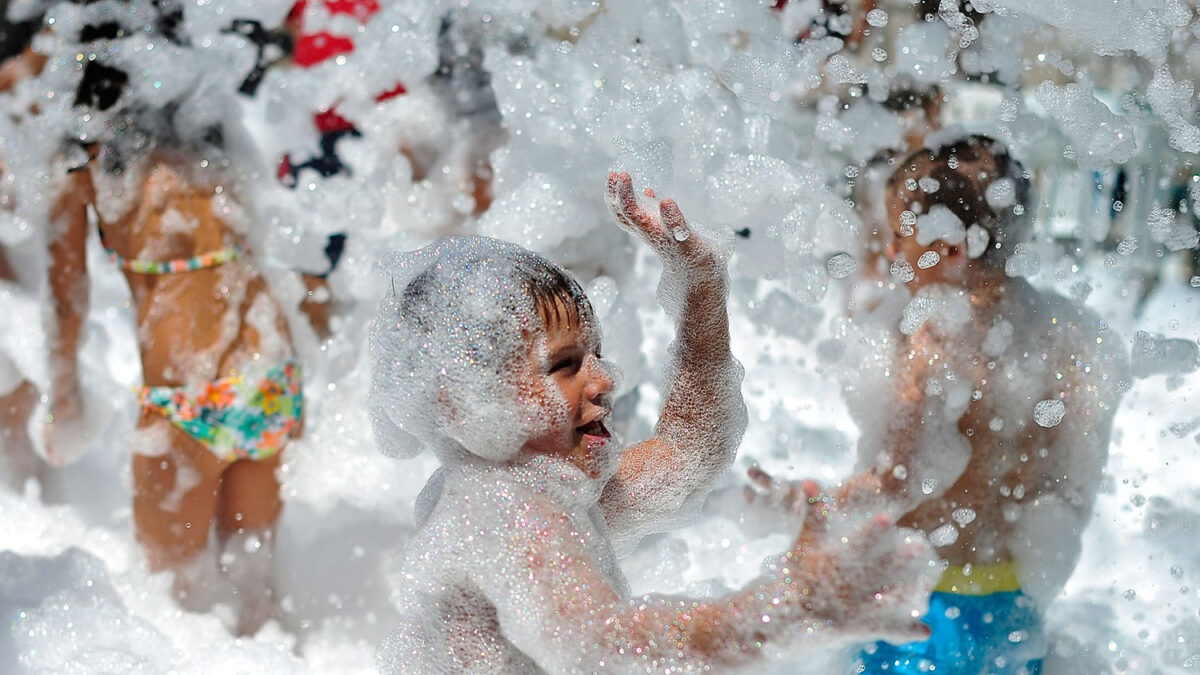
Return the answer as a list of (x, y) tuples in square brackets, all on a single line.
[(222, 394)]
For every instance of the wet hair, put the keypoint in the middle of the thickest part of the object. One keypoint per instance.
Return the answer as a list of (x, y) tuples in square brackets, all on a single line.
[(553, 294), (448, 339), (911, 96), (964, 170), (556, 295)]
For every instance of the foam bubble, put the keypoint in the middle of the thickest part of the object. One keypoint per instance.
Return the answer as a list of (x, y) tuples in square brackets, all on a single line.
[(1049, 413)]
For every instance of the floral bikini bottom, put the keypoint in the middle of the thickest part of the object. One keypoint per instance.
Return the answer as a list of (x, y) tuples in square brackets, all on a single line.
[(236, 417)]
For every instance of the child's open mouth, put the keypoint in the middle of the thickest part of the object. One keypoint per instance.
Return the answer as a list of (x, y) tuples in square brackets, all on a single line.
[(596, 429)]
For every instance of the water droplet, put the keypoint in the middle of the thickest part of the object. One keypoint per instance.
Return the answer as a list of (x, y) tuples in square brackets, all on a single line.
[(928, 259), (841, 265), (963, 516), (1049, 413), (902, 271), (681, 233), (944, 536)]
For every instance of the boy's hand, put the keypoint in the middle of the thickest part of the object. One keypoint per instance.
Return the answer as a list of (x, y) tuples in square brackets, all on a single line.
[(667, 232)]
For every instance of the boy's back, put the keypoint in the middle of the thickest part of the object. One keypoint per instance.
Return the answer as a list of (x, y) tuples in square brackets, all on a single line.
[(986, 371)]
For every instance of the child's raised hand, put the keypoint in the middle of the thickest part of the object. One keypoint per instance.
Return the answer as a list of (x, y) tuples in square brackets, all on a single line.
[(667, 232)]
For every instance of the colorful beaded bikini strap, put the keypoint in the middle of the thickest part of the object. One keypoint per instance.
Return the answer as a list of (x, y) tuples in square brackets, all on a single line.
[(196, 262)]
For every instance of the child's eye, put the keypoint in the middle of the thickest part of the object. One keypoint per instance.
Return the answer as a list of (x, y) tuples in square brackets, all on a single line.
[(570, 364)]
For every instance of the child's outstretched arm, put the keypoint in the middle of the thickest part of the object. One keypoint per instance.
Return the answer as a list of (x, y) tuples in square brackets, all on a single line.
[(703, 416), (839, 581)]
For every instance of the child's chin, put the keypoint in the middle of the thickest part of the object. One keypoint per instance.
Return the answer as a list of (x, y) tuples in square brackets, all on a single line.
[(596, 457)]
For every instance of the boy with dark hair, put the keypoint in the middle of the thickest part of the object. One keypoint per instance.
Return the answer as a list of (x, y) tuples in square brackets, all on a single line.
[(997, 406)]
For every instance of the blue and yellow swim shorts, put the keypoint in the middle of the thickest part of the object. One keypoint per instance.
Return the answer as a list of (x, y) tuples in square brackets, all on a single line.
[(980, 622)]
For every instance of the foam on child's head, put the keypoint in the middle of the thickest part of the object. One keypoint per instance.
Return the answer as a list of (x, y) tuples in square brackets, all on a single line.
[(460, 316)]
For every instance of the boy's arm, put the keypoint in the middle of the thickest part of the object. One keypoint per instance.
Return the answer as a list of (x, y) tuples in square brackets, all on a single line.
[(871, 584), (68, 306), (703, 416)]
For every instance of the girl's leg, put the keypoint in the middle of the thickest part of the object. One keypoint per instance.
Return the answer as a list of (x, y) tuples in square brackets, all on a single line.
[(248, 509), (176, 485), (17, 460)]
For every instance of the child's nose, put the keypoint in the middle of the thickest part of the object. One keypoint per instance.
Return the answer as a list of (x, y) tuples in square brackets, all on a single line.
[(601, 381)]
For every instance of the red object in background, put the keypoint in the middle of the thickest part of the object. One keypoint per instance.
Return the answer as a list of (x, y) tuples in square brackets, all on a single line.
[(391, 93), (329, 122), (310, 49), (313, 48), (362, 9)]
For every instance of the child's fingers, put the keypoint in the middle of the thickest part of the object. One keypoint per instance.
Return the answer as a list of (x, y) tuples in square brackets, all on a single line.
[(816, 515), (677, 228), (760, 478), (618, 185), (623, 203), (673, 220)]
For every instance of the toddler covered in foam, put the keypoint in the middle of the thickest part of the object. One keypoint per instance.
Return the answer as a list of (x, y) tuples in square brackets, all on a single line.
[(490, 355)]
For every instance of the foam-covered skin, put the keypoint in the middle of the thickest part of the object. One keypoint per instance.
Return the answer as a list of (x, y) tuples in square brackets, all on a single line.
[(945, 378), (515, 567), (514, 573), (192, 327), (954, 445), (703, 417)]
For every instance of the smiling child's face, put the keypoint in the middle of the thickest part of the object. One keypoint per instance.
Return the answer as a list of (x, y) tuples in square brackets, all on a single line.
[(565, 379)]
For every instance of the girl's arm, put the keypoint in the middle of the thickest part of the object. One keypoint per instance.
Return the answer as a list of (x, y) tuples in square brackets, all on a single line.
[(703, 416), (68, 302)]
